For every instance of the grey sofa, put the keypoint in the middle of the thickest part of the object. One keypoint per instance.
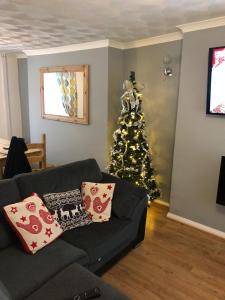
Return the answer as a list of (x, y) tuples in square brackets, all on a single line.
[(67, 266)]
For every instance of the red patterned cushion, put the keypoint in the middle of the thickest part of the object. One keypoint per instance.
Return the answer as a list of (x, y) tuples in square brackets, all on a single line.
[(33, 223), (97, 199)]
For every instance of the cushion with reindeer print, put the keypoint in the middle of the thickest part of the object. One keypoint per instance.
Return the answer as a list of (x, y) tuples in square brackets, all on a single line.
[(67, 208)]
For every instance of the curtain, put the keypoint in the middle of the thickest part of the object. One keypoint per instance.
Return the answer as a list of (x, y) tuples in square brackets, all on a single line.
[(10, 107), (68, 87)]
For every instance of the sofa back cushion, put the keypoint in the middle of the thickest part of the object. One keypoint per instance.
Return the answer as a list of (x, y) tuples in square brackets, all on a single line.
[(9, 194), (59, 179), (126, 196)]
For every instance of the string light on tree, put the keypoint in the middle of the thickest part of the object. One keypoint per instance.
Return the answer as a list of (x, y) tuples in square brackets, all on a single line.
[(130, 154)]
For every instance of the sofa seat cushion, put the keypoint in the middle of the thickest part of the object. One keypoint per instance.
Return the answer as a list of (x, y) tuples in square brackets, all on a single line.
[(4, 294), (99, 239), (9, 194), (74, 280), (23, 273), (59, 179)]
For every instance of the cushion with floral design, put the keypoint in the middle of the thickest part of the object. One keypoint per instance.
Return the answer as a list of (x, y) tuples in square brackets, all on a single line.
[(33, 223), (97, 199)]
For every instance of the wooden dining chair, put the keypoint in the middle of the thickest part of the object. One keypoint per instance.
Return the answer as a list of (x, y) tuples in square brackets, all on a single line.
[(38, 160)]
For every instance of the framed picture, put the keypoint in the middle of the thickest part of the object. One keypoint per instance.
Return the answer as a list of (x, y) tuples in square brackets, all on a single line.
[(64, 93), (216, 82)]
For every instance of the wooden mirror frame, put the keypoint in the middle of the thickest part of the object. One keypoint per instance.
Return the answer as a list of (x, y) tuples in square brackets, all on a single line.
[(76, 120)]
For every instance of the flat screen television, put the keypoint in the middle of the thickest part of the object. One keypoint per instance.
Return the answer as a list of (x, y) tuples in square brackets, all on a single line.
[(216, 81)]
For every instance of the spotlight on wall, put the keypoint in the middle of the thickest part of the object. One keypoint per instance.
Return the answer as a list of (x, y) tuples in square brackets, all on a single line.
[(168, 72)]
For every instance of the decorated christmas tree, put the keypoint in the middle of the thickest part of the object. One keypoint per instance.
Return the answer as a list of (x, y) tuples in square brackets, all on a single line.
[(130, 154)]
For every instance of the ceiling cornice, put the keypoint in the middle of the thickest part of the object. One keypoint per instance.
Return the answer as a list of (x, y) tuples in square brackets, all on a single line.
[(68, 48), (107, 43), (206, 24), (165, 38), (117, 45), (21, 55)]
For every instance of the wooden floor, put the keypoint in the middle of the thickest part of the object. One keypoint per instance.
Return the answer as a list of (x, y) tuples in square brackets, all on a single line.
[(175, 262)]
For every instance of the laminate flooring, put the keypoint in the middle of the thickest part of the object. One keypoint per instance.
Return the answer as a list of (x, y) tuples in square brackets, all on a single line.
[(175, 262)]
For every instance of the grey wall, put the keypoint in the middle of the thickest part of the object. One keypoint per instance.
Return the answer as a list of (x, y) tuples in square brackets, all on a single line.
[(116, 78), (160, 103), (108, 68), (23, 85), (200, 139), (70, 142)]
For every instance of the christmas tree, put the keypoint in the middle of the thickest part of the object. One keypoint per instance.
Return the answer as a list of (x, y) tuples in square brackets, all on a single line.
[(130, 155)]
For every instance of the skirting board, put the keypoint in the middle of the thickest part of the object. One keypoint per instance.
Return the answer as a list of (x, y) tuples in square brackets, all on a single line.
[(196, 225), (161, 202)]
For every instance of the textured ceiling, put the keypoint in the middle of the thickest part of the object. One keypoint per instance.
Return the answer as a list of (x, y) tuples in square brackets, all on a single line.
[(32, 24)]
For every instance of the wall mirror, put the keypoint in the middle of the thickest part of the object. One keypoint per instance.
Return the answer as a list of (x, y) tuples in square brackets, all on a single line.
[(64, 93)]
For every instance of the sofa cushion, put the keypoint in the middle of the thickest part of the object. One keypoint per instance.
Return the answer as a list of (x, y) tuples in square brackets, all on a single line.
[(74, 280), (24, 273), (33, 223), (97, 198), (4, 294), (98, 239), (67, 208), (126, 196), (9, 194), (59, 179)]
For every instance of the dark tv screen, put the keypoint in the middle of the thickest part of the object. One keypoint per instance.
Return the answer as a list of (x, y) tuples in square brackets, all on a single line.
[(216, 81)]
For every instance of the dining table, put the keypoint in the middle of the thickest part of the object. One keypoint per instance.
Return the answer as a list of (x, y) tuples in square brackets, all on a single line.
[(4, 146)]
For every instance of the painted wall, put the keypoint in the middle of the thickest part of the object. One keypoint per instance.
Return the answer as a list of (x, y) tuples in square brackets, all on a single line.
[(24, 99), (70, 142), (108, 69), (160, 103), (115, 84), (200, 139)]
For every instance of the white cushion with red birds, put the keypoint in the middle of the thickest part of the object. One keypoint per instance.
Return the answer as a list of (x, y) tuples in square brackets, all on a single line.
[(97, 199), (33, 223)]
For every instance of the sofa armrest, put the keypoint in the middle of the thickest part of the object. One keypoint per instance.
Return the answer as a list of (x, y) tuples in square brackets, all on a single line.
[(126, 197)]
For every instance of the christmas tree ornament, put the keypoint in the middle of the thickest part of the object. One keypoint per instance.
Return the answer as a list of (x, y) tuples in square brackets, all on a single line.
[(130, 154)]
